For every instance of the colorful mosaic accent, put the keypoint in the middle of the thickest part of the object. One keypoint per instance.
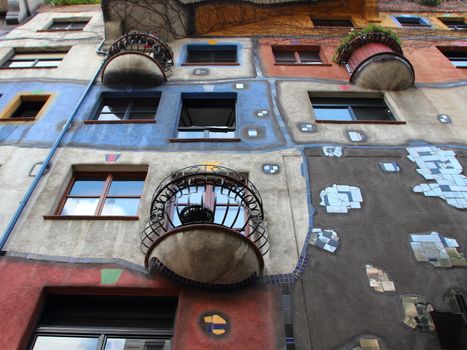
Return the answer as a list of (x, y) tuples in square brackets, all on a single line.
[(325, 239), (262, 113), (389, 167), (341, 198), (110, 276), (417, 313), (201, 71), (271, 169), (356, 136), (252, 132), (332, 151), (307, 127), (442, 167), (436, 249), (368, 344), (112, 157), (444, 119), (213, 323), (379, 280)]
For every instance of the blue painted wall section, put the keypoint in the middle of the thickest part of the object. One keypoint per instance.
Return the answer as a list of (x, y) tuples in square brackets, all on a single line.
[(43, 131)]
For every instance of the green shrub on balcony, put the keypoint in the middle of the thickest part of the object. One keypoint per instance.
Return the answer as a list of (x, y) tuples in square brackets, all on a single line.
[(371, 33)]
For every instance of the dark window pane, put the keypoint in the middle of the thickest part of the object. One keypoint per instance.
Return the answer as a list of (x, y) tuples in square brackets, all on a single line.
[(28, 109), (225, 56), (78, 25), (64, 343), (145, 104), (309, 56), (283, 56), (126, 188), (372, 113), (87, 188), (332, 22), (212, 54), (136, 344), (203, 112), (112, 105), (59, 26), (412, 22)]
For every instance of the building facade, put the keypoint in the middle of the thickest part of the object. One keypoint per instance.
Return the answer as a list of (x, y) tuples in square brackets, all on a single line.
[(233, 175)]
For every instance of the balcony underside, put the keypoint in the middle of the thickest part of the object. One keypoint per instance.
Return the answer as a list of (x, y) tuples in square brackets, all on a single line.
[(384, 71), (132, 68), (208, 254)]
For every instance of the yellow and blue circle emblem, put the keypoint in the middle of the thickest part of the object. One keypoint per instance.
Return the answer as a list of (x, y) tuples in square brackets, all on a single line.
[(214, 323)]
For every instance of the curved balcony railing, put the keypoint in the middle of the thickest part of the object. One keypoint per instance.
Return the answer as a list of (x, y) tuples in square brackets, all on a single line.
[(206, 194), (141, 47)]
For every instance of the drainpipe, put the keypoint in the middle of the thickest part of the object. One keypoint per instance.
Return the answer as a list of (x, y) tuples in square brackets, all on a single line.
[(44, 166)]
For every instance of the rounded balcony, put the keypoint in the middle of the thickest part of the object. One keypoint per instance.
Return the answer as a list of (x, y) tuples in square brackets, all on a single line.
[(138, 59), (206, 228), (375, 61)]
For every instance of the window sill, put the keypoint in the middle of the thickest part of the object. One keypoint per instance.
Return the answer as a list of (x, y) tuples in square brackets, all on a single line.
[(211, 64), (90, 217), (384, 122), (304, 64), (9, 120), (58, 30), (130, 121), (13, 68), (204, 140)]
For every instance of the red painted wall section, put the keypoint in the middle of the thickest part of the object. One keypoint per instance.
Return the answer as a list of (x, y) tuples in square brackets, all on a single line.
[(362, 53), (430, 65), (251, 311)]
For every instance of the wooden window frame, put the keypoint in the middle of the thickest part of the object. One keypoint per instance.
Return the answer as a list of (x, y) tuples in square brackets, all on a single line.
[(108, 176), (332, 19), (446, 49), (296, 49), (34, 60), (131, 98), (11, 108), (446, 20), (69, 27)]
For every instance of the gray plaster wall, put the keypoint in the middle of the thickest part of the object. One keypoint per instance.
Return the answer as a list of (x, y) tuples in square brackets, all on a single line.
[(418, 107), (283, 194), (15, 166), (81, 61)]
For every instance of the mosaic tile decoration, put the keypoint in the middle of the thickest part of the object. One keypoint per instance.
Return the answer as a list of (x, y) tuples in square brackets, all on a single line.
[(325, 239), (356, 136), (214, 323), (271, 169), (444, 118), (306, 127), (332, 151), (252, 132), (262, 113), (389, 167), (239, 86), (341, 198), (442, 167), (112, 157), (379, 280), (436, 249), (417, 313), (201, 71), (368, 344)]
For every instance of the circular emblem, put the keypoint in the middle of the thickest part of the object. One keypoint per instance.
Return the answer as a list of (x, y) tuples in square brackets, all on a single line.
[(214, 323)]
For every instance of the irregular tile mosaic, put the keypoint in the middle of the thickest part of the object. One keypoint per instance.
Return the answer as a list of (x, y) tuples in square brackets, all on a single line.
[(112, 157), (443, 167), (271, 169), (325, 239), (262, 113), (436, 249), (389, 167), (368, 344), (444, 118), (252, 132), (356, 136), (332, 151), (417, 313), (341, 198), (379, 280), (239, 86), (306, 127), (201, 71)]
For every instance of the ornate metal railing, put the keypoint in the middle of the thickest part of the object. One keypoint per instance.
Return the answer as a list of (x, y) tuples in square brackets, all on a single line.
[(206, 194), (144, 43)]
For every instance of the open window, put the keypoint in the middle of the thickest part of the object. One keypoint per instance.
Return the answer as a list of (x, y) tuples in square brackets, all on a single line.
[(105, 323), (207, 116), (25, 108), (64, 25)]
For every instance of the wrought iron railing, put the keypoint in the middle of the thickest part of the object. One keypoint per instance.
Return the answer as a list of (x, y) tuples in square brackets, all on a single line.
[(206, 194), (144, 43)]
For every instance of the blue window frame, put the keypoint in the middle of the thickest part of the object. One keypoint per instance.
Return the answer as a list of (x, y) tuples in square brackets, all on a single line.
[(412, 21)]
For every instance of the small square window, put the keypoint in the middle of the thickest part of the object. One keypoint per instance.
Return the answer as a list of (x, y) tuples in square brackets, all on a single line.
[(412, 21), (454, 23), (337, 109), (116, 108), (103, 194), (34, 60), (25, 107), (211, 54), (457, 55), (290, 54), (64, 25), (321, 22), (209, 115)]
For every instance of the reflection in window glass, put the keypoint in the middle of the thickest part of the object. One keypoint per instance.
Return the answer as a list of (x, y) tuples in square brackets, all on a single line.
[(87, 188), (80, 206), (332, 114), (126, 188), (121, 206), (230, 216), (136, 344), (64, 343)]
